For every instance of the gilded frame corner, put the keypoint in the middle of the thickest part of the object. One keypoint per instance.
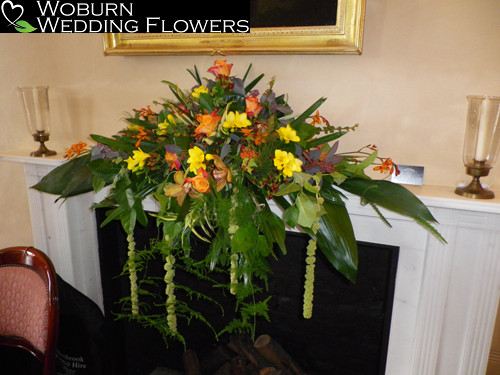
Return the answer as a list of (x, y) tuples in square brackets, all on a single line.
[(345, 37)]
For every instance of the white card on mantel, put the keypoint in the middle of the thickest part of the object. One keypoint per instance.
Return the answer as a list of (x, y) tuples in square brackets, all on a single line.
[(410, 175)]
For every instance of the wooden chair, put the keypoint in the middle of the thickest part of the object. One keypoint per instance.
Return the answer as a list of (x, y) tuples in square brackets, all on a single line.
[(29, 305)]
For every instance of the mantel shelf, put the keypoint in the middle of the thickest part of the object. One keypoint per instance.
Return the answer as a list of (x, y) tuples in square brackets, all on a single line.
[(23, 156)]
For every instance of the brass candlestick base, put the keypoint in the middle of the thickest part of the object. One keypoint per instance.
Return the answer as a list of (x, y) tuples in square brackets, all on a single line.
[(474, 189), (42, 151)]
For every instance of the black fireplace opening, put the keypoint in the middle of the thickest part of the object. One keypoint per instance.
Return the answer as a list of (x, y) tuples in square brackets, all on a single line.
[(348, 333)]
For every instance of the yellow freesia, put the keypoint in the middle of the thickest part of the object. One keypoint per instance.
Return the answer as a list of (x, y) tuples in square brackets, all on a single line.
[(199, 90), (137, 161), (196, 158), (288, 134), (236, 120), (163, 127), (285, 161)]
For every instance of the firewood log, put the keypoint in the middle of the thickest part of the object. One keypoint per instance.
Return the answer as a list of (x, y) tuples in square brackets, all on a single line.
[(238, 366), (242, 345), (267, 371), (191, 364), (216, 359), (224, 369), (274, 353)]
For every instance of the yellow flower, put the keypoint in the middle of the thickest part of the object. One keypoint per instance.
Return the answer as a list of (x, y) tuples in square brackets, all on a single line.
[(196, 159), (280, 158), (285, 161), (137, 161), (288, 134), (163, 127), (292, 166), (236, 120), (199, 90)]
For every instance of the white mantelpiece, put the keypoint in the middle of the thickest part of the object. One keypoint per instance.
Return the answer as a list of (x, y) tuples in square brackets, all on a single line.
[(446, 295), (66, 231)]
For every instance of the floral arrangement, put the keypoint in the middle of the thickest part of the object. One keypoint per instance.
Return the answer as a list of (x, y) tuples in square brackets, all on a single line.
[(217, 159)]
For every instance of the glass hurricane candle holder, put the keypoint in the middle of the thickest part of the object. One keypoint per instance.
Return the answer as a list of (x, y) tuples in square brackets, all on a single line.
[(482, 143), (35, 101)]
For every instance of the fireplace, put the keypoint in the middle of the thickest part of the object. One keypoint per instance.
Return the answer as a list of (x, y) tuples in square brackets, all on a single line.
[(446, 295), (348, 333)]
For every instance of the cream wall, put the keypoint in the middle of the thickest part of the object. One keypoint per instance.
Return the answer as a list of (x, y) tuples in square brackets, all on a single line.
[(407, 90)]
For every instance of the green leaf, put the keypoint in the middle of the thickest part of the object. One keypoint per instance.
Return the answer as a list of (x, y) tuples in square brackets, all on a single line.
[(367, 161), (69, 179), (113, 143), (246, 73), (206, 102), (273, 228), (243, 239), (140, 214), (113, 214), (335, 237), (336, 240), (305, 115), (291, 216), (305, 132), (195, 75), (252, 84), (183, 142), (286, 189), (307, 207), (393, 197), (24, 27), (98, 184), (140, 122), (389, 195), (321, 140), (105, 169)]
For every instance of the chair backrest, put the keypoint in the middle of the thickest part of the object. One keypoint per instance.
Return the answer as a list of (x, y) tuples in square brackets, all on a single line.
[(29, 305)]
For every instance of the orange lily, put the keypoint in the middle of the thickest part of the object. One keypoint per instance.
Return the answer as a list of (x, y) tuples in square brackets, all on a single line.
[(145, 112), (387, 166), (179, 189), (142, 135), (248, 155), (317, 119), (173, 159), (221, 173), (257, 137), (75, 150)]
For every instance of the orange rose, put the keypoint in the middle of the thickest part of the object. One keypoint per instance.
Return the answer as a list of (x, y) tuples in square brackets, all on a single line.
[(200, 183), (221, 68), (253, 107)]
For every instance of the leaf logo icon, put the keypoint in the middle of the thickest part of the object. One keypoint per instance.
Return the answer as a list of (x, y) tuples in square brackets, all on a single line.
[(13, 15)]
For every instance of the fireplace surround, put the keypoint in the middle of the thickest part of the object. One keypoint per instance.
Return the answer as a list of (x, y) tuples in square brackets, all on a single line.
[(347, 334), (446, 295)]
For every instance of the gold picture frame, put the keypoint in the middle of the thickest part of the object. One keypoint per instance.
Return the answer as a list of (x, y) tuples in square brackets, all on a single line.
[(345, 37)]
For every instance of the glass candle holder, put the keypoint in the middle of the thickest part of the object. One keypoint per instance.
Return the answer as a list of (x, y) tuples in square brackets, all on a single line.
[(35, 100), (482, 143)]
